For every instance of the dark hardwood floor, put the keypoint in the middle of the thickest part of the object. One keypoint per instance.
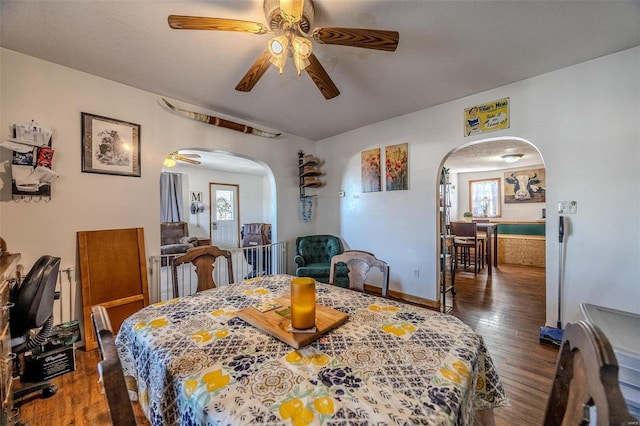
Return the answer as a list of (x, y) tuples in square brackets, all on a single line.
[(506, 309)]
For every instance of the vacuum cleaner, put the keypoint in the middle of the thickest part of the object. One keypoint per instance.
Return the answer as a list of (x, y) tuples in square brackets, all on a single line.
[(550, 335)]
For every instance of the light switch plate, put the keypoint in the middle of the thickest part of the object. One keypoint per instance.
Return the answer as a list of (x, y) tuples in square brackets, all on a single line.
[(568, 207)]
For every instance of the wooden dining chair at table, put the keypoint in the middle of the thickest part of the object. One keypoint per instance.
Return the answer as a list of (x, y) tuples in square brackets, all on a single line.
[(586, 375), (466, 239), (482, 234), (359, 262), (203, 258), (110, 370)]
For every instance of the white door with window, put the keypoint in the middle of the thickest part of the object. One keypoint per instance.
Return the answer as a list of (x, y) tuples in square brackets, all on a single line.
[(225, 225)]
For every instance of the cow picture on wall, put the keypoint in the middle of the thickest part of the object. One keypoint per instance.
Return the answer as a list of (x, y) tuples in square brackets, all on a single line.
[(524, 186)]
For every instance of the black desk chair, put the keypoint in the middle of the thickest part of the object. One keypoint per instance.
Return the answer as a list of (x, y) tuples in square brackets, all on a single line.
[(33, 309)]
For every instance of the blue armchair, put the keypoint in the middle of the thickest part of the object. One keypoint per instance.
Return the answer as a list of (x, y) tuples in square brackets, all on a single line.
[(313, 258)]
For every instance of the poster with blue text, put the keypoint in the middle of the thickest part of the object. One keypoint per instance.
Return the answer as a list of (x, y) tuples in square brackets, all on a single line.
[(487, 117)]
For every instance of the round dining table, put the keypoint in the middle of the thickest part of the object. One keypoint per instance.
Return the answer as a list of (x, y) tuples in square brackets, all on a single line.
[(193, 361)]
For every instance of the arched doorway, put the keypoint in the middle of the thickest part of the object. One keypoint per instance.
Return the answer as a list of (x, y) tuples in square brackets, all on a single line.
[(254, 178), (520, 218), (253, 201)]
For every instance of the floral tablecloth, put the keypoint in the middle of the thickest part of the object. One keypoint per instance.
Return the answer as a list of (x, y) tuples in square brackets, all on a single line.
[(192, 361)]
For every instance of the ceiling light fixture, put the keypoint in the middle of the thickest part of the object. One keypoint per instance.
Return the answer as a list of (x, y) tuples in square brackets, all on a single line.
[(287, 45), (290, 40), (301, 51), (511, 158), (278, 49), (169, 161)]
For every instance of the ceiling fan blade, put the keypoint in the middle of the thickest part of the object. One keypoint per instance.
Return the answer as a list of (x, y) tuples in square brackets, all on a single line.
[(321, 78), (186, 160), (190, 155), (358, 37), (181, 22), (256, 71)]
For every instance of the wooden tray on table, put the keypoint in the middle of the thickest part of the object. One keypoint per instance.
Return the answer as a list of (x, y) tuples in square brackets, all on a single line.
[(276, 325)]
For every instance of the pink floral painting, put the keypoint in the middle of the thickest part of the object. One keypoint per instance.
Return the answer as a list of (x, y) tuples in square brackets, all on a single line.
[(370, 168), (397, 167)]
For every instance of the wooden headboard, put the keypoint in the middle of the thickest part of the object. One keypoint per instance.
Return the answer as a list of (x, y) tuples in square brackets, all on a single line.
[(113, 270)]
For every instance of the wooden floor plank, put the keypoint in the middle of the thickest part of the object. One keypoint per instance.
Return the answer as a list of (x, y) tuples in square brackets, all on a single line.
[(507, 309)]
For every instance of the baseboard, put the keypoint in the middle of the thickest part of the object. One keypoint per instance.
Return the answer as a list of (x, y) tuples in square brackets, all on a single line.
[(414, 300)]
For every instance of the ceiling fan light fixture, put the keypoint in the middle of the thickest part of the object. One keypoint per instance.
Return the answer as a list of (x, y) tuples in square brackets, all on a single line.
[(302, 49), (511, 158), (278, 49), (169, 161)]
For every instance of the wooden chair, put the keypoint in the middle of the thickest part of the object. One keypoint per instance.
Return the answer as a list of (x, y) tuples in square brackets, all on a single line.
[(466, 238), (203, 258), (110, 370), (586, 375), (359, 262)]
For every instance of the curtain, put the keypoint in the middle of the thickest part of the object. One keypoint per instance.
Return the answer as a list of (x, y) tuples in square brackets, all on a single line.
[(485, 198), (171, 197)]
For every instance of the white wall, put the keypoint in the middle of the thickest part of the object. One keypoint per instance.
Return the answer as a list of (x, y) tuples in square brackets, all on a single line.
[(584, 120), (55, 96)]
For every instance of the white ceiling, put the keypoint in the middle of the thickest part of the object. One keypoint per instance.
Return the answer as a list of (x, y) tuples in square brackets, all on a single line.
[(447, 50), (485, 156), (223, 162)]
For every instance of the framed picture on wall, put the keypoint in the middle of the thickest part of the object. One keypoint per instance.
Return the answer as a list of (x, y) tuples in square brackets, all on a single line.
[(397, 167), (370, 170), (110, 146), (487, 117), (525, 186)]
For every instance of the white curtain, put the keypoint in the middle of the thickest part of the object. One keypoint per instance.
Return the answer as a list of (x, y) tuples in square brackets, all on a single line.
[(171, 209), (485, 199)]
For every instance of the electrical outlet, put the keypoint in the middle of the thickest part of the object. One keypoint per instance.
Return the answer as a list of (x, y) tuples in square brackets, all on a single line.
[(416, 273), (568, 207)]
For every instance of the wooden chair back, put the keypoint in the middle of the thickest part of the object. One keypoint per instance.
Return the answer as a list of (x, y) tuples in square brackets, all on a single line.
[(464, 229), (359, 262), (110, 370), (203, 258), (465, 236), (586, 375)]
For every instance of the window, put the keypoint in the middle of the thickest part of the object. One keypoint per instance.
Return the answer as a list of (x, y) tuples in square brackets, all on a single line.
[(224, 205), (484, 197)]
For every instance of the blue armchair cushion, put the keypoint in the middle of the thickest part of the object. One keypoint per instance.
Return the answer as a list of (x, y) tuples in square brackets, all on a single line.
[(313, 258)]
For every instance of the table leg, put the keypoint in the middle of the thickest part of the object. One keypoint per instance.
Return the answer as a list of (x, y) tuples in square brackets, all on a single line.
[(495, 247), (489, 249), (492, 248)]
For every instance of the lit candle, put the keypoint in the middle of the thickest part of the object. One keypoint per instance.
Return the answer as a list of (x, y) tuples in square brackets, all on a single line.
[(303, 303)]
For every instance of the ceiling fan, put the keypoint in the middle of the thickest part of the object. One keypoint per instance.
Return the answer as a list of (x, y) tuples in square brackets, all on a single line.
[(291, 21), (171, 159)]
